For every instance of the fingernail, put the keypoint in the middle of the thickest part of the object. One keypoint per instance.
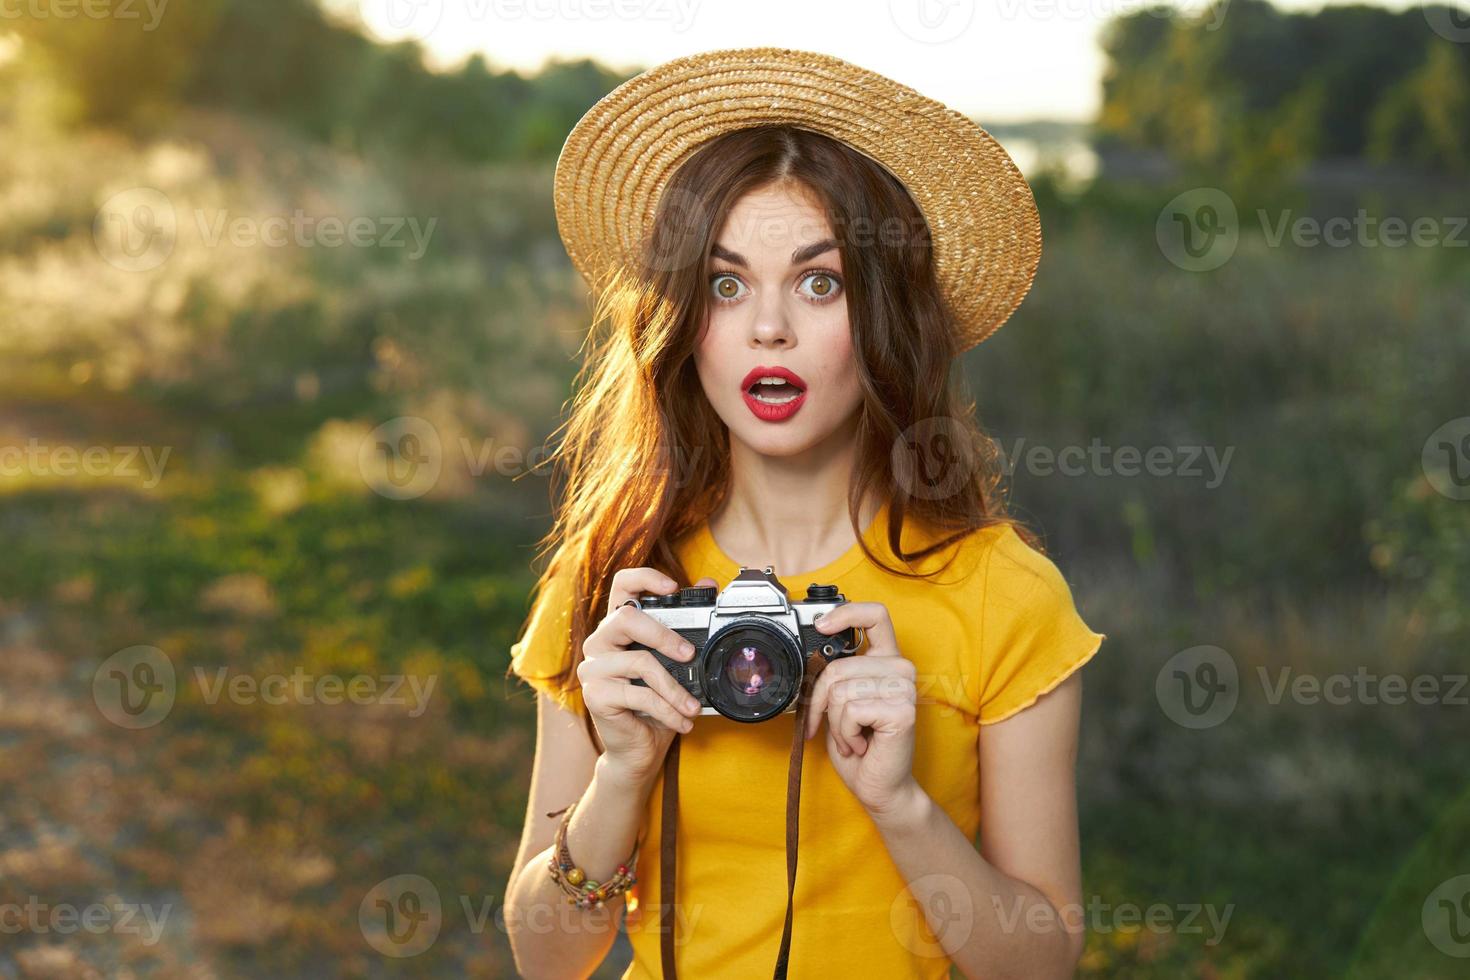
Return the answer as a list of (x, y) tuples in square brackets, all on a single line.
[(686, 648), (690, 704)]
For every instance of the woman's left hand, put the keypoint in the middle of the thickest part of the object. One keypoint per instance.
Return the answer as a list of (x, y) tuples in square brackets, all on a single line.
[(869, 702)]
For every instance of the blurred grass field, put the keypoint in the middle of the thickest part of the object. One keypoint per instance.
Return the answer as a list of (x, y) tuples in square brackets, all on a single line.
[(264, 548)]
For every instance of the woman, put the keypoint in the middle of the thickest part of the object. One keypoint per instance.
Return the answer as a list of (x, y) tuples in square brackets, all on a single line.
[(790, 253)]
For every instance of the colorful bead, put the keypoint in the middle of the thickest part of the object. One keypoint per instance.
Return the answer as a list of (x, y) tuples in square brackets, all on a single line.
[(582, 891)]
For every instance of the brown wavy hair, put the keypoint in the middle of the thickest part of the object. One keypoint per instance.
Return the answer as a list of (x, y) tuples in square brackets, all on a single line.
[(643, 458)]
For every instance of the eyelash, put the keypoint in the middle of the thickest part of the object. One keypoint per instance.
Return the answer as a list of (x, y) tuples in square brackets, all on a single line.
[(716, 276)]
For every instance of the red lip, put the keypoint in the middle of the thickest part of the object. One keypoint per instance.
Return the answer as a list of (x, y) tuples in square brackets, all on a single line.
[(772, 372), (765, 411)]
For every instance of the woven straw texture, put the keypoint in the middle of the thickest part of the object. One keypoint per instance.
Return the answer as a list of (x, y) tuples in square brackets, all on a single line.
[(617, 160)]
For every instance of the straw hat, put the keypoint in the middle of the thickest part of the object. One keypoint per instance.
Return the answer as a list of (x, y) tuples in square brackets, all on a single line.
[(981, 214)]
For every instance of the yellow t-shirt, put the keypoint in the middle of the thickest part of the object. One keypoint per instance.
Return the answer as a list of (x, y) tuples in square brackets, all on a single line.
[(994, 632)]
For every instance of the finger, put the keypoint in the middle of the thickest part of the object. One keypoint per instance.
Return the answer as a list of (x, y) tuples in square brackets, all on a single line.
[(630, 583), (816, 703), (834, 745), (850, 725), (640, 664), (628, 625), (885, 717), (821, 690), (892, 675), (834, 728), (841, 697), (613, 697), (706, 583), (894, 689), (822, 698), (874, 620)]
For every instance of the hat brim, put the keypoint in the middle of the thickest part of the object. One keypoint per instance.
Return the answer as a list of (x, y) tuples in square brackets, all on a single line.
[(982, 217)]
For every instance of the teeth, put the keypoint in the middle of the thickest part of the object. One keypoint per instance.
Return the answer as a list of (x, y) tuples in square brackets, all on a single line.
[(775, 399), (790, 392)]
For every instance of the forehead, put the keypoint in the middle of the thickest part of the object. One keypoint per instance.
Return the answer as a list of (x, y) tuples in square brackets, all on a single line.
[(775, 218)]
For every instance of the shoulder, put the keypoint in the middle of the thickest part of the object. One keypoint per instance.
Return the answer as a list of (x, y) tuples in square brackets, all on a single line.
[(993, 555), (1032, 635), (543, 656), (1015, 567)]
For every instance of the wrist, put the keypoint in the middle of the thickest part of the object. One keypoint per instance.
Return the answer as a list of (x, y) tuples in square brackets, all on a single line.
[(908, 810), (617, 777)]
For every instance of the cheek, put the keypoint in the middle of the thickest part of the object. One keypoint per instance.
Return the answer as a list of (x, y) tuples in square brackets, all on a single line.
[(711, 362), (839, 368)]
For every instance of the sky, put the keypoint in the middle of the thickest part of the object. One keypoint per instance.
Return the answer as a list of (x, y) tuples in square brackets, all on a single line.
[(994, 60)]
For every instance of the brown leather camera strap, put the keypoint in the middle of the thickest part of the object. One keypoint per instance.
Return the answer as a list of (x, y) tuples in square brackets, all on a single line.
[(668, 828)]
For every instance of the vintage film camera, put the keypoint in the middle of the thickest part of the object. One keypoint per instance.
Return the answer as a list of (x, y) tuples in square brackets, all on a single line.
[(750, 642)]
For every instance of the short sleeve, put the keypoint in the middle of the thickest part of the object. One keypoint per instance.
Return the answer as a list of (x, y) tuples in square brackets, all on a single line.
[(1032, 636), (542, 657)]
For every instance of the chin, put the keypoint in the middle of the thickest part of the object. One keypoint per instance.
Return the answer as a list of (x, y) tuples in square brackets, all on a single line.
[(774, 440)]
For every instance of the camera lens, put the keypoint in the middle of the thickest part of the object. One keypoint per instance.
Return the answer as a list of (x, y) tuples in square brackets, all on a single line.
[(746, 671), (752, 669)]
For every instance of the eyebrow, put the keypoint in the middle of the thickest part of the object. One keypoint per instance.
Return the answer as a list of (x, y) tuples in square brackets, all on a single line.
[(804, 254)]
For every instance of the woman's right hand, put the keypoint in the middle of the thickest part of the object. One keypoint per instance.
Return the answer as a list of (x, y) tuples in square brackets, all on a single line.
[(635, 746)]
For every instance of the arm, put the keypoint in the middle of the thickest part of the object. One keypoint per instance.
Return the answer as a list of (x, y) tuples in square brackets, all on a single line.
[(549, 937), (1021, 894)]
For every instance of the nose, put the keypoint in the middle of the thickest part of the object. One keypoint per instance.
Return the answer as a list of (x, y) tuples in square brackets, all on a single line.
[(771, 327)]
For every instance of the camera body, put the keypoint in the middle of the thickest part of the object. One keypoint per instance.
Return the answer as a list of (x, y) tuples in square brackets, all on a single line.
[(751, 642)]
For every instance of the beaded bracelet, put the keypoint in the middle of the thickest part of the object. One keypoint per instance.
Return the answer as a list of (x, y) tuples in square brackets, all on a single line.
[(581, 890)]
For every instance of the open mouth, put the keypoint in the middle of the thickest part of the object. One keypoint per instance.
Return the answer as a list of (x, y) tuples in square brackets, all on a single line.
[(773, 385), (774, 391)]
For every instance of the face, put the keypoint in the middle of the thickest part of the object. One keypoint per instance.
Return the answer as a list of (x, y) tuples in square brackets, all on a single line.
[(777, 304)]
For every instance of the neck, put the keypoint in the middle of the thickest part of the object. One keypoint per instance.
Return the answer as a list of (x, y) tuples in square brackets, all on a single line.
[(790, 512)]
